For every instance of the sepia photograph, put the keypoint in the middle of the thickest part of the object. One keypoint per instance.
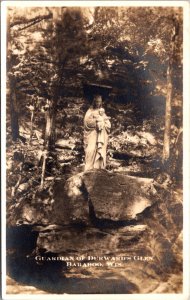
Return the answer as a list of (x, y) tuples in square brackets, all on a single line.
[(94, 175)]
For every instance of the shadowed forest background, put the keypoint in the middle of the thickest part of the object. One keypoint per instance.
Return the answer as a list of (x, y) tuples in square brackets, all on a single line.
[(56, 57)]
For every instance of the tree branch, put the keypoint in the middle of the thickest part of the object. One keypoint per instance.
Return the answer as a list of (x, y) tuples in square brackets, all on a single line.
[(31, 22)]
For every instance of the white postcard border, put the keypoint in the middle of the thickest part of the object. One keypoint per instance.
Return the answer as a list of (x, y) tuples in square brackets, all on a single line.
[(186, 146)]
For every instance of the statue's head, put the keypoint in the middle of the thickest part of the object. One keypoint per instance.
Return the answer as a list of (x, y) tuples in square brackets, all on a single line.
[(97, 101)]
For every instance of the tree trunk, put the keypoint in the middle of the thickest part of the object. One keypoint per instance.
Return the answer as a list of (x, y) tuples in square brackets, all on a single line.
[(166, 146), (49, 139), (14, 111), (31, 125), (45, 153), (46, 145), (11, 81)]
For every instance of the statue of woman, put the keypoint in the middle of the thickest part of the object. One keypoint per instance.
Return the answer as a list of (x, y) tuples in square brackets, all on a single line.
[(96, 129)]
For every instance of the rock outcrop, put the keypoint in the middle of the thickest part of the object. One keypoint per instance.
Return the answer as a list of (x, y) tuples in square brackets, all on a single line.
[(93, 241), (87, 197), (117, 196), (103, 195)]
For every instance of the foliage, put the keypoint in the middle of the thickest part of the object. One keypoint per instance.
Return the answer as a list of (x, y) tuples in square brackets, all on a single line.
[(53, 51)]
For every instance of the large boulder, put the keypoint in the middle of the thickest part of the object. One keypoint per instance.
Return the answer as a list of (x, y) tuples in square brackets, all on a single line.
[(103, 195), (118, 196)]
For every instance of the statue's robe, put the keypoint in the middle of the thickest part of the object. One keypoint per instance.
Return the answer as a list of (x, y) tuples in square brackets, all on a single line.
[(94, 158)]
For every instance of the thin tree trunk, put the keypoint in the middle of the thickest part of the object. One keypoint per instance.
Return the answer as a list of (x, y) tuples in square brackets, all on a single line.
[(11, 82), (47, 129), (31, 125), (14, 111), (53, 123), (49, 140), (43, 168), (46, 145), (167, 131), (166, 146), (50, 127)]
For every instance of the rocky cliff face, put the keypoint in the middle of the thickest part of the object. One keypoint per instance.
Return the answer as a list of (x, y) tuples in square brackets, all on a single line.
[(108, 214)]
